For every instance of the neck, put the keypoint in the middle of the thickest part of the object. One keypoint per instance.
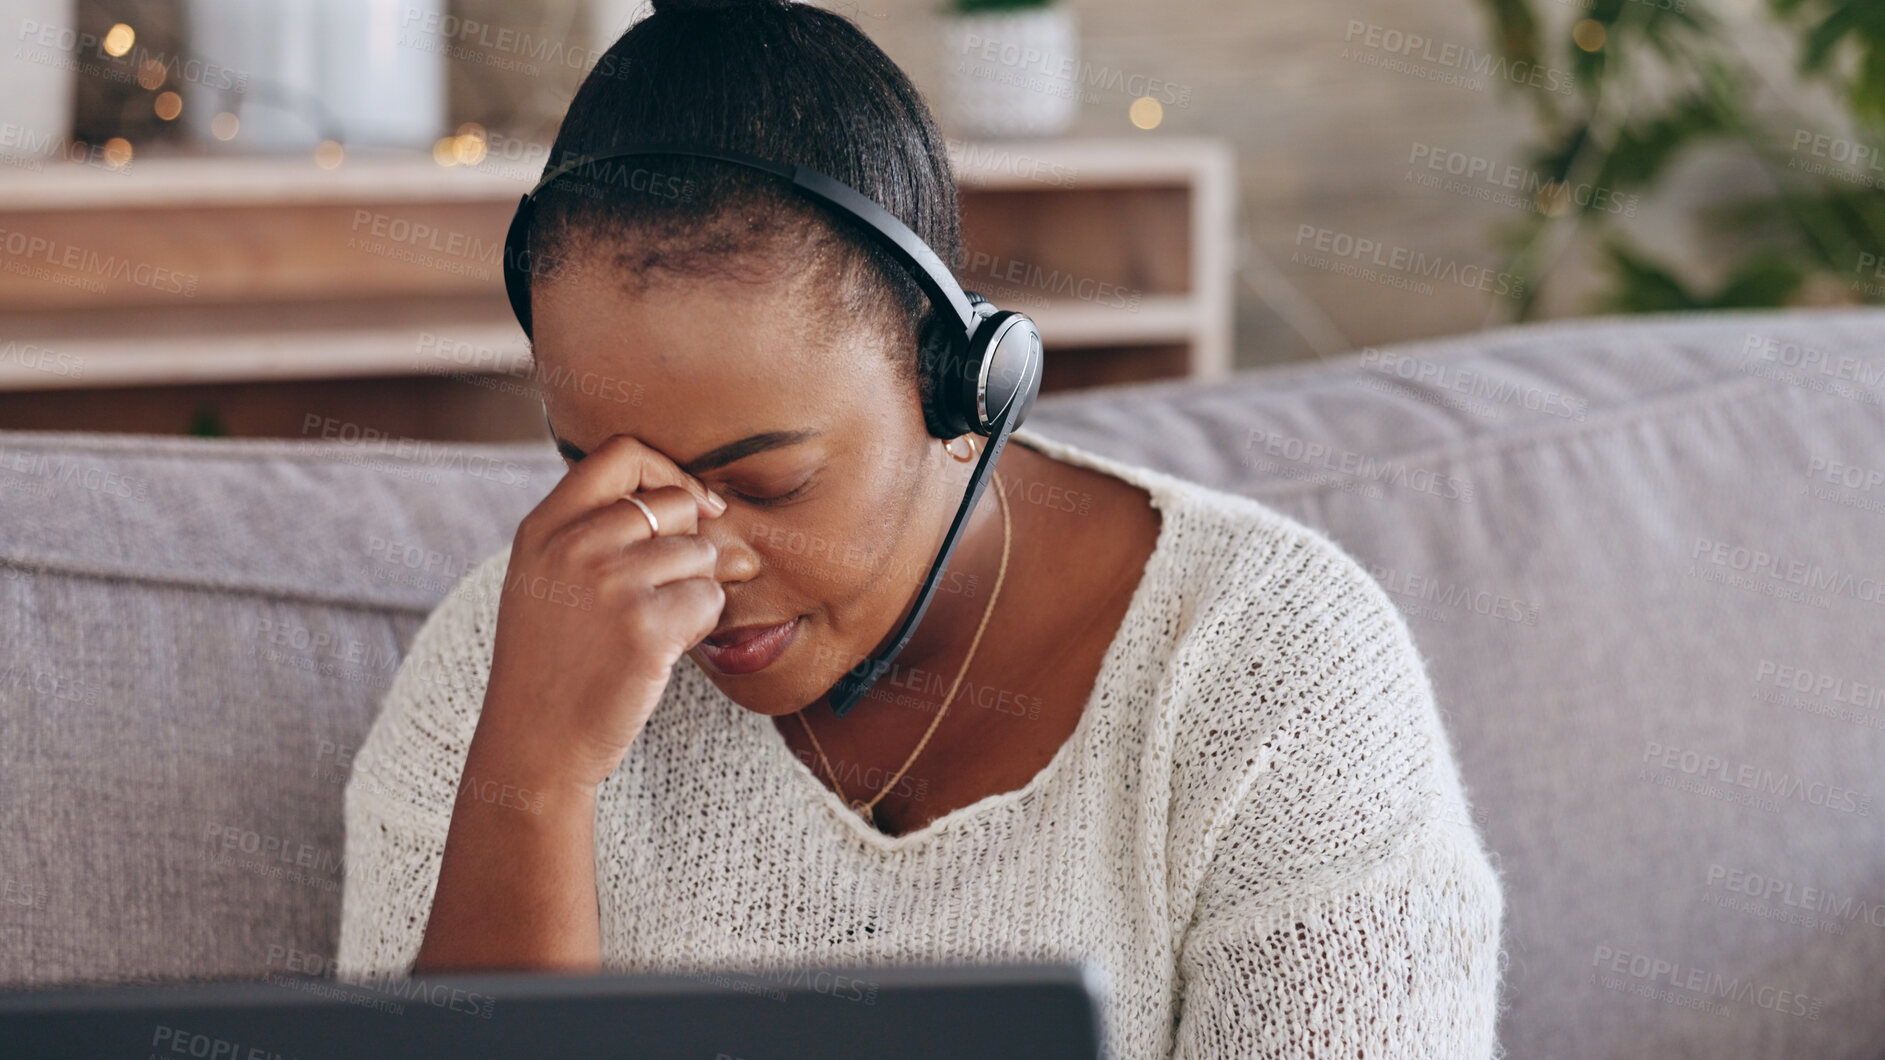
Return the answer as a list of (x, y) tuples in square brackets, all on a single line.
[(936, 651)]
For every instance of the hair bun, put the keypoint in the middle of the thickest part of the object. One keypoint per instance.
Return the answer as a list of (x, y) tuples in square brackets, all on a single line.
[(665, 6)]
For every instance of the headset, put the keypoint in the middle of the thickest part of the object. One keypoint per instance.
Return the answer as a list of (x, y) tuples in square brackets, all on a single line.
[(985, 384)]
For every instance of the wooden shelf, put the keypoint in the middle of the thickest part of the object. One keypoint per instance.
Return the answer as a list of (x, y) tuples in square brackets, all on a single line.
[(246, 270), (258, 180)]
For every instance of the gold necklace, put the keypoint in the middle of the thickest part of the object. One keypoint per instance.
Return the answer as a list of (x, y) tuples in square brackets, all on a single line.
[(864, 809)]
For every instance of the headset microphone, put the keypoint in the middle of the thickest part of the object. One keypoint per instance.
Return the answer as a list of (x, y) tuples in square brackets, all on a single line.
[(985, 384)]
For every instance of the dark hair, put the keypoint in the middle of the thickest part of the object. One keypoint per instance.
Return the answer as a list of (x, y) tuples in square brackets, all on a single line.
[(784, 81)]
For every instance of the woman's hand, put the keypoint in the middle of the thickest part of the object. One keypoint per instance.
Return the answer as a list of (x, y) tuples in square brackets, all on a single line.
[(595, 611)]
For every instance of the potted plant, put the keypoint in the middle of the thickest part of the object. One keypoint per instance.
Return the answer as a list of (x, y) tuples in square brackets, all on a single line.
[(1010, 67)]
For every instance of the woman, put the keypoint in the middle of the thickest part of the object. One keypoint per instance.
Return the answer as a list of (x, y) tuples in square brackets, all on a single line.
[(1144, 723)]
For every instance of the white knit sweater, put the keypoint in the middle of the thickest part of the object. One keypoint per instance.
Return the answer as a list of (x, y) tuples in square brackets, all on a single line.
[(1258, 827)]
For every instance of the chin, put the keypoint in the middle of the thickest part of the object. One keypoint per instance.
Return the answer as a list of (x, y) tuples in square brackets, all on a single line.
[(764, 692)]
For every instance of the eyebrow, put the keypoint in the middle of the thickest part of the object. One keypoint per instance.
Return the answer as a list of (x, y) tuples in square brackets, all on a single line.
[(720, 457)]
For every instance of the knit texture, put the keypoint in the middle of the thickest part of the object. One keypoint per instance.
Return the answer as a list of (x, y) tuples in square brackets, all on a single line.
[(1258, 828)]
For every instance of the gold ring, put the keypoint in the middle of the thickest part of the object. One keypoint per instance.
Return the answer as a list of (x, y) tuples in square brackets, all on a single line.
[(952, 453)]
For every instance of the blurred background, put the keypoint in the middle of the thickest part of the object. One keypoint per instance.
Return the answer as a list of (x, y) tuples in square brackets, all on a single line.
[(262, 217)]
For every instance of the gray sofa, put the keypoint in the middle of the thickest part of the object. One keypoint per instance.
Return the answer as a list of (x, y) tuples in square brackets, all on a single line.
[(1641, 557)]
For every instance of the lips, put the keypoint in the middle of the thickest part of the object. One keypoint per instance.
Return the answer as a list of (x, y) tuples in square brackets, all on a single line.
[(748, 649), (728, 636)]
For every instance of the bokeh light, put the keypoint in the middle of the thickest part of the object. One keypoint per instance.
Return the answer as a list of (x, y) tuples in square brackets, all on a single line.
[(1146, 112), (119, 39)]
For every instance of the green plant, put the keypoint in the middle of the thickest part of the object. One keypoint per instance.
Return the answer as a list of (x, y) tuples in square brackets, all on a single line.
[(984, 7), (1655, 79), (206, 422)]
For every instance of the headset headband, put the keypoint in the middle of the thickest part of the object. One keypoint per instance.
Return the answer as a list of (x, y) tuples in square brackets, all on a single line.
[(927, 269)]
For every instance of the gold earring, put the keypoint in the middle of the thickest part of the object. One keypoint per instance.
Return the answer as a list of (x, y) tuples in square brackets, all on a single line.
[(947, 442)]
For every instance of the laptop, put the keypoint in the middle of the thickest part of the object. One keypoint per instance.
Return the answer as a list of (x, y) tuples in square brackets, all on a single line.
[(984, 1012)]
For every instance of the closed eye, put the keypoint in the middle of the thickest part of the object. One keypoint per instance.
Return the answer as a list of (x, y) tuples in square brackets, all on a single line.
[(769, 502)]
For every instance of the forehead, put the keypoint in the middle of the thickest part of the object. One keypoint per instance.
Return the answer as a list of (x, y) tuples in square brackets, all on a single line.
[(687, 363)]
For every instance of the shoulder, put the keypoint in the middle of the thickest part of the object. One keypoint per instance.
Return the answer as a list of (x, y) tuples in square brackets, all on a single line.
[(1299, 699), (415, 748)]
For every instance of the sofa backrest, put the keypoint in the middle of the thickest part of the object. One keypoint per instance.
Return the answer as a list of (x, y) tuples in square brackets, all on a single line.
[(197, 635), (1639, 556)]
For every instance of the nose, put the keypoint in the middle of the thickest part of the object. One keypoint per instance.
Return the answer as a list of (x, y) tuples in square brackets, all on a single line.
[(737, 561)]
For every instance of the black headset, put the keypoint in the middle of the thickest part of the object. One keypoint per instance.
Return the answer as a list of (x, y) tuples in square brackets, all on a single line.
[(985, 384)]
